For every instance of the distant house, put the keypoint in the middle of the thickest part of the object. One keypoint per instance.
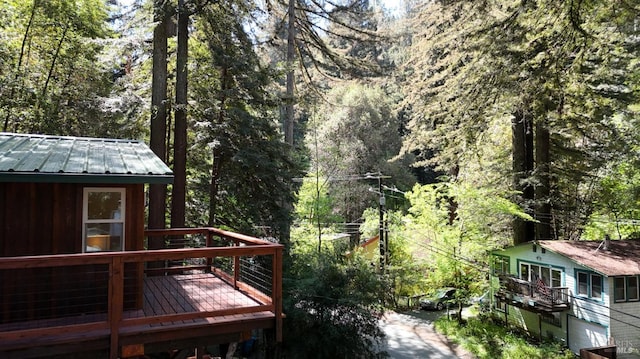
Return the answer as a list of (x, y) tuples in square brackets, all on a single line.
[(583, 293), (371, 248), (76, 279)]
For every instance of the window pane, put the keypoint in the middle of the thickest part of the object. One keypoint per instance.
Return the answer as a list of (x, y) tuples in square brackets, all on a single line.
[(582, 283), (556, 278), (524, 272), (103, 237), (545, 274), (103, 205), (535, 273), (619, 290), (596, 286), (632, 284), (500, 265)]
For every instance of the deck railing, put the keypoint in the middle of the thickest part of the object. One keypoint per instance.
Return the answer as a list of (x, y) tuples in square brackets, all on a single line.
[(519, 289), (120, 292)]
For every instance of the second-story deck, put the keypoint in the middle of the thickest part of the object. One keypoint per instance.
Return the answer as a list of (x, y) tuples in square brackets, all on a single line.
[(534, 296), (130, 303)]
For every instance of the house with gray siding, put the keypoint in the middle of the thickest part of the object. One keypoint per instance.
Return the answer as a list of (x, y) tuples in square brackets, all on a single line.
[(584, 294)]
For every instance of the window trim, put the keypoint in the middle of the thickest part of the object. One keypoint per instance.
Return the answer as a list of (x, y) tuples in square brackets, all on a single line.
[(637, 298), (627, 292), (503, 260), (85, 213), (624, 297), (540, 266), (590, 274)]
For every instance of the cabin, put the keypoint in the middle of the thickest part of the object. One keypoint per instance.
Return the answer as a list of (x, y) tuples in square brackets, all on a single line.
[(77, 278), (585, 294)]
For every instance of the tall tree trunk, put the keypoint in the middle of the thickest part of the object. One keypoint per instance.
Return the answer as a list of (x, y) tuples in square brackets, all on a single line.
[(543, 189), (522, 148), (213, 187), (178, 197), (217, 156), (158, 192), (291, 38), (53, 64), (454, 171), (7, 118)]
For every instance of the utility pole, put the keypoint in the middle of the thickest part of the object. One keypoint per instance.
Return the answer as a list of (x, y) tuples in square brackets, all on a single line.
[(382, 232)]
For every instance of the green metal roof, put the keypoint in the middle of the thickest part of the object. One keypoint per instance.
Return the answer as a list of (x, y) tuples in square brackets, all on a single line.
[(43, 158)]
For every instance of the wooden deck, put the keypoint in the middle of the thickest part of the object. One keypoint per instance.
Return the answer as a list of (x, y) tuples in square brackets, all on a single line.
[(192, 308), (532, 296)]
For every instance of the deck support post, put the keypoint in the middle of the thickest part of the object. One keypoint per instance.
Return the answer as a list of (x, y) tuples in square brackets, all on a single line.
[(116, 294)]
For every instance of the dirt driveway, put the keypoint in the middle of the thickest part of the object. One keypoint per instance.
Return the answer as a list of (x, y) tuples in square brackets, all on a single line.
[(411, 335)]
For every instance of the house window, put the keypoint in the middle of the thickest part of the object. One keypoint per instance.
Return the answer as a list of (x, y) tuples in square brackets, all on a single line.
[(583, 283), (103, 219), (500, 265), (632, 288), (500, 306), (619, 289), (596, 286), (590, 285), (551, 277), (552, 318), (556, 278), (625, 289)]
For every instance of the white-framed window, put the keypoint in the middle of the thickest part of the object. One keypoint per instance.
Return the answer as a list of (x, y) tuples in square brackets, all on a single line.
[(103, 219), (500, 265), (589, 285), (551, 277)]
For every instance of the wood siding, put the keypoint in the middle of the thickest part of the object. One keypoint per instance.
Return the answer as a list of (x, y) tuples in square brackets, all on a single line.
[(46, 219)]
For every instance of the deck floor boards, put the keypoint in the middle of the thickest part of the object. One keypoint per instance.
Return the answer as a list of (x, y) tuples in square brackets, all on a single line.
[(162, 295)]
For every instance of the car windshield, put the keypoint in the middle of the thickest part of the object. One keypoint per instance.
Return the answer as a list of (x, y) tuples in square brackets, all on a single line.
[(441, 293)]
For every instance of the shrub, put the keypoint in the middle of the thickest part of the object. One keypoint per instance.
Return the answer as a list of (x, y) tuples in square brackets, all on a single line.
[(485, 339)]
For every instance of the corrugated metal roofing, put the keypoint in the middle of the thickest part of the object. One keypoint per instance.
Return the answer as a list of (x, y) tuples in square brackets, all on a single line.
[(43, 158)]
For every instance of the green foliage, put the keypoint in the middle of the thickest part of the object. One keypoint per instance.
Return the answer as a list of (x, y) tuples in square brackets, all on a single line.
[(571, 68), (488, 340), (314, 204), (405, 273), (237, 143), (353, 133), (54, 78), (617, 204), (332, 308), (453, 227)]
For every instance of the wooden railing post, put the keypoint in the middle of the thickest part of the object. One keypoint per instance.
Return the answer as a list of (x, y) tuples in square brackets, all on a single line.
[(116, 299), (236, 267), (209, 243), (277, 291)]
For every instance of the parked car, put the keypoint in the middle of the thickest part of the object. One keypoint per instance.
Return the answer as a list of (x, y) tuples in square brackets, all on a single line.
[(439, 300)]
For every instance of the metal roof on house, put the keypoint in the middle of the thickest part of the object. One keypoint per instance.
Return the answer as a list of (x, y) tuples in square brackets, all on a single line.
[(622, 257), (44, 158)]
